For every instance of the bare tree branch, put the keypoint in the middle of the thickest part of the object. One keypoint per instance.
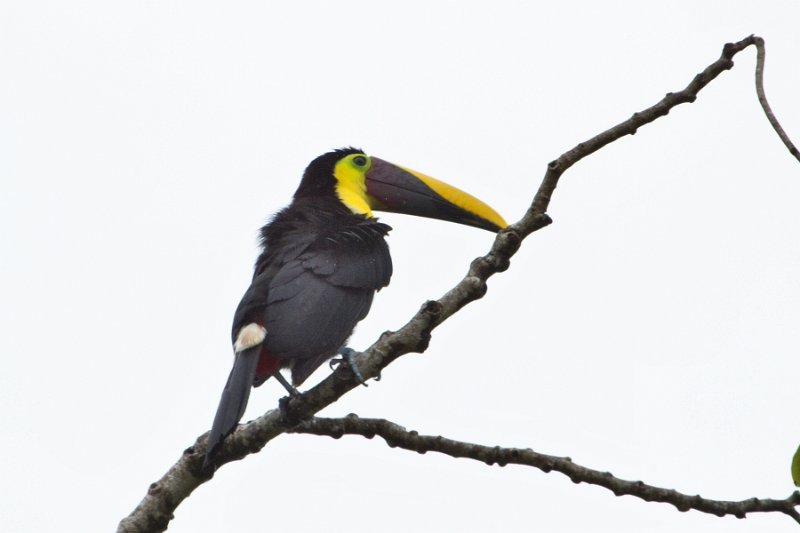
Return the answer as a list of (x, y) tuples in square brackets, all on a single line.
[(397, 436), (762, 98), (155, 511)]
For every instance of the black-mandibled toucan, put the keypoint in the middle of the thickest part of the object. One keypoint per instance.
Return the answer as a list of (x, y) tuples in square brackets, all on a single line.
[(323, 258)]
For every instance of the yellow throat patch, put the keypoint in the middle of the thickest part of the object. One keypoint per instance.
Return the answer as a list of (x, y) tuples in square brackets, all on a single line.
[(351, 187)]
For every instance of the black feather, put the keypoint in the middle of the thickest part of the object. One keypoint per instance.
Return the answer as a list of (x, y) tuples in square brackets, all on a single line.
[(318, 179), (234, 400)]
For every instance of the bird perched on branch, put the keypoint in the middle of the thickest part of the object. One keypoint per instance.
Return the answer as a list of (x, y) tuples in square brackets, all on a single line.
[(323, 258)]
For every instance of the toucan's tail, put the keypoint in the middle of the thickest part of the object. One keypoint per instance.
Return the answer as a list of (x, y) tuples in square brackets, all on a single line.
[(233, 401)]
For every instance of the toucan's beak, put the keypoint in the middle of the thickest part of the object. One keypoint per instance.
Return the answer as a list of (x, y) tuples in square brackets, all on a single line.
[(402, 190)]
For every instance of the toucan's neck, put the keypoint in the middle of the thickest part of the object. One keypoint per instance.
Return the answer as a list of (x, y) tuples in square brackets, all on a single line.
[(309, 215), (323, 207)]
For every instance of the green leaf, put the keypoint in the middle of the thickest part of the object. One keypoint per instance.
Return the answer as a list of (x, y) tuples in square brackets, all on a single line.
[(796, 467)]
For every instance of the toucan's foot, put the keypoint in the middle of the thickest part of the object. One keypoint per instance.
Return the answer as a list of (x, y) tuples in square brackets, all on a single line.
[(348, 356), (286, 385), (287, 416), (283, 404)]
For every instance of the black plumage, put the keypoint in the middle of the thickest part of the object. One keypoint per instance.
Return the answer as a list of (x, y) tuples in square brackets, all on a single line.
[(314, 281)]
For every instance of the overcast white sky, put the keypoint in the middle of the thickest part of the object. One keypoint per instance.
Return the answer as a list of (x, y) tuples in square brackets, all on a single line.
[(651, 331)]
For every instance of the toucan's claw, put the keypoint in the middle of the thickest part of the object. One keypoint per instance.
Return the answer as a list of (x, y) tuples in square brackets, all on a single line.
[(287, 417), (286, 385), (348, 356)]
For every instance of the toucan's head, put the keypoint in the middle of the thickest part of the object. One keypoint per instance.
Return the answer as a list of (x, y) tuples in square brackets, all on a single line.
[(363, 183)]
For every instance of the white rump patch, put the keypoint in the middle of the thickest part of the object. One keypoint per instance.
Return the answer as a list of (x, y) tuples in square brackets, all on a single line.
[(249, 336)]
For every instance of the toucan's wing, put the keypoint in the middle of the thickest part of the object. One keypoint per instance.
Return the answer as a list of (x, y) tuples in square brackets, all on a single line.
[(357, 256), (315, 301), (314, 322), (284, 261), (311, 295)]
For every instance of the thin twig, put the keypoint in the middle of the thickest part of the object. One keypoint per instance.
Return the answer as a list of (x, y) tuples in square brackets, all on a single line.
[(397, 436), (762, 98)]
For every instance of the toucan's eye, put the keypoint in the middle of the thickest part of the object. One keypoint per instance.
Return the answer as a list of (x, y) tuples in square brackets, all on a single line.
[(360, 160)]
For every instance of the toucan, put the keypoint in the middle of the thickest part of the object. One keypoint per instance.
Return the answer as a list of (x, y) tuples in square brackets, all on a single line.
[(323, 258)]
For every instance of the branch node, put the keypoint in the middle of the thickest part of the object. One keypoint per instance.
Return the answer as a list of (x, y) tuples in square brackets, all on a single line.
[(480, 288), (510, 240), (432, 308), (480, 267), (729, 49), (423, 341)]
